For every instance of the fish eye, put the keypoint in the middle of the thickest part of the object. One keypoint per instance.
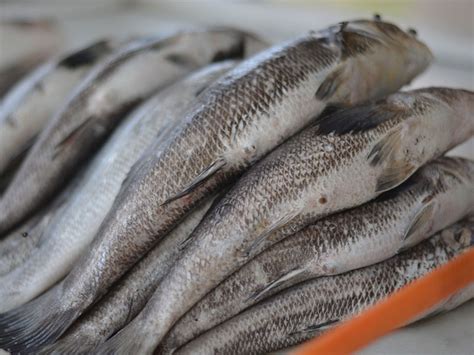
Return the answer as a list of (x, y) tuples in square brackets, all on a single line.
[(377, 17), (412, 31)]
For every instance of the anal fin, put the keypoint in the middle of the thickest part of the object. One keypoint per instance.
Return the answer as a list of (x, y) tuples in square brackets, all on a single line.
[(200, 179)]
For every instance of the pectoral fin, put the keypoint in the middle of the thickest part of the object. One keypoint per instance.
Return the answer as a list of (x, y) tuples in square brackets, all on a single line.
[(200, 179), (315, 328), (282, 221), (72, 136), (284, 281), (421, 220), (396, 170), (330, 85)]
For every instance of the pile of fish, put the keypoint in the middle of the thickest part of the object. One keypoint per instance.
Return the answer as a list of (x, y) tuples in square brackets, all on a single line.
[(206, 192)]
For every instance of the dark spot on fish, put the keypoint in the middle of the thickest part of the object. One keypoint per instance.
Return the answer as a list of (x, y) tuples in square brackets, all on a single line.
[(237, 51), (377, 17), (413, 32), (24, 234), (85, 56), (323, 200)]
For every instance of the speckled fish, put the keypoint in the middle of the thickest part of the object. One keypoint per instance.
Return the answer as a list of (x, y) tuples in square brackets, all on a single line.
[(128, 297), (307, 309), (240, 118), (24, 44), (71, 232), (344, 160), (25, 110), (438, 195), (98, 104)]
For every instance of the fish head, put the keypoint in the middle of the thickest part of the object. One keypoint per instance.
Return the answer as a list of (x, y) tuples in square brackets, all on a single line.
[(379, 58)]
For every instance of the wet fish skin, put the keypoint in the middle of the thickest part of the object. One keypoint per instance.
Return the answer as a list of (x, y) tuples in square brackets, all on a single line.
[(25, 44), (26, 108), (129, 295), (71, 232), (98, 104), (307, 309), (222, 137), (343, 161), (438, 195)]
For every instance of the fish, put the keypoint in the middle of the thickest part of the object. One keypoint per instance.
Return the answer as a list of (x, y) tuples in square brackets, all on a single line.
[(26, 108), (308, 309), (435, 197), (236, 121), (342, 161), (124, 301), (70, 232), (25, 44), (97, 105)]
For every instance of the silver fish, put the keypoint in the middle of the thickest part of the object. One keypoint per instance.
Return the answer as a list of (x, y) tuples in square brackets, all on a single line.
[(71, 231), (25, 110), (236, 121), (438, 195), (98, 104), (307, 309), (129, 295), (25, 44), (344, 160)]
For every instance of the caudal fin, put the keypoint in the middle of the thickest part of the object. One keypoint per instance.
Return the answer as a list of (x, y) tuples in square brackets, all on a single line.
[(40, 322)]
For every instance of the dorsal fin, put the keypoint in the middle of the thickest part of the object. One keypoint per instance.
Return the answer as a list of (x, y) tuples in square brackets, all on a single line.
[(356, 119)]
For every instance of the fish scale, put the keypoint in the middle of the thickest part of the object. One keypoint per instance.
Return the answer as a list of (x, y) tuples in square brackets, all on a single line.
[(360, 167), (305, 310), (204, 154), (110, 90), (71, 232)]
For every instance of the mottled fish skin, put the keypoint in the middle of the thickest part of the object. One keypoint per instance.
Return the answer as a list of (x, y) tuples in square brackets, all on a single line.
[(129, 295), (25, 44), (98, 104), (438, 195), (71, 232), (239, 119), (343, 161), (305, 310), (25, 109)]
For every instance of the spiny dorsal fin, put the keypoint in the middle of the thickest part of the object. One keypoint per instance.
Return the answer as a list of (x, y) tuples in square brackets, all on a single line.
[(284, 281), (200, 179), (356, 119), (85, 56)]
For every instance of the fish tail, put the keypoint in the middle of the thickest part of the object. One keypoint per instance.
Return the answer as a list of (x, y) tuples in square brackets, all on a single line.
[(40, 322), (69, 345)]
